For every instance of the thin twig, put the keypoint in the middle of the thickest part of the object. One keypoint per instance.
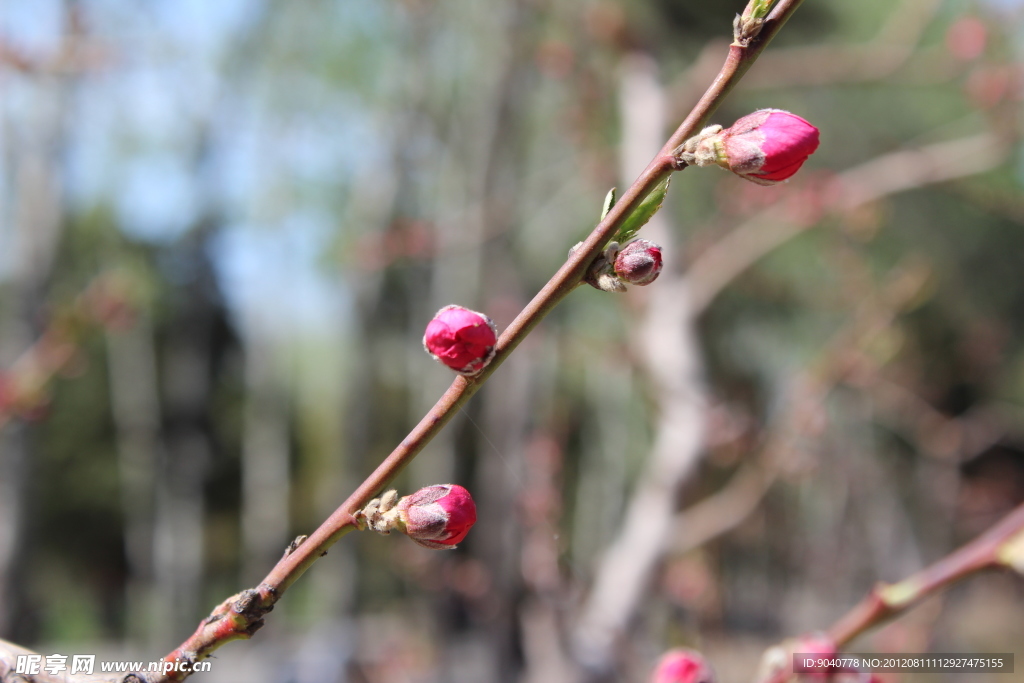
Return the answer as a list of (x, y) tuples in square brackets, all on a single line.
[(631, 556), (999, 547), (885, 601)]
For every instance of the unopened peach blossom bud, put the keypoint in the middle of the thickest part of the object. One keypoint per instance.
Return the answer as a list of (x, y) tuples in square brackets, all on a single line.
[(682, 666), (462, 339), (639, 262), (765, 147), (437, 516)]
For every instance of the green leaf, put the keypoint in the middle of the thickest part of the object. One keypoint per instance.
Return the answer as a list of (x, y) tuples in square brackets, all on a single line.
[(609, 202), (1011, 553), (641, 214), (899, 595), (762, 8)]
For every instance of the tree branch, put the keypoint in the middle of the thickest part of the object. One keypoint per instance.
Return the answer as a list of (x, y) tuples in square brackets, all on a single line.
[(1002, 546), (241, 615), (989, 550)]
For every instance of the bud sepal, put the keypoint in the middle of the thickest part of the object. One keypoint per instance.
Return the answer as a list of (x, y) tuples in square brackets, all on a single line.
[(748, 25), (601, 273)]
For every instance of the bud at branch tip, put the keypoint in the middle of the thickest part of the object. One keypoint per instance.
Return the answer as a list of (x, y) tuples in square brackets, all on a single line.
[(748, 25)]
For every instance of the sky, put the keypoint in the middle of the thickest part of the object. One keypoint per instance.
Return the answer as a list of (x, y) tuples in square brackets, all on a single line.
[(273, 171), (284, 144)]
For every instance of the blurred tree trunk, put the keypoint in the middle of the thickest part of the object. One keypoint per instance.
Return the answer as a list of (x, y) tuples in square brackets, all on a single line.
[(188, 362), (666, 340), (265, 457), (13, 482), (33, 210), (504, 433), (135, 402)]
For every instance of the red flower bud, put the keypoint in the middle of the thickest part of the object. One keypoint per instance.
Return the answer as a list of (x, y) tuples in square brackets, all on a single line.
[(638, 263), (767, 146), (682, 666), (437, 516), (461, 339)]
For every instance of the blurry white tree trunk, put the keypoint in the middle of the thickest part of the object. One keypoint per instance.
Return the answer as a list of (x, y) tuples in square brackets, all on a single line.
[(12, 486), (668, 347), (265, 457), (179, 504), (30, 228), (135, 402)]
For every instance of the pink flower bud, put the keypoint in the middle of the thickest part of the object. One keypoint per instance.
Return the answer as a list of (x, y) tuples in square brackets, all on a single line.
[(767, 146), (461, 339), (682, 666), (437, 516), (814, 646), (638, 263)]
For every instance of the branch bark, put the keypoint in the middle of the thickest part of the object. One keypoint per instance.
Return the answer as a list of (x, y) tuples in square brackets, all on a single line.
[(887, 600), (1002, 546)]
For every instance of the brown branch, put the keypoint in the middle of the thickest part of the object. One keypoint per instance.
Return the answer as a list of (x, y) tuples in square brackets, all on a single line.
[(934, 434), (240, 616), (894, 49), (77, 54), (725, 509), (887, 600), (105, 302), (730, 257), (999, 547), (665, 340)]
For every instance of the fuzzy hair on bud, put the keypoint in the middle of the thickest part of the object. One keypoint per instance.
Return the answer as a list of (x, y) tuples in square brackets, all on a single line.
[(462, 339), (639, 262), (437, 516), (682, 666)]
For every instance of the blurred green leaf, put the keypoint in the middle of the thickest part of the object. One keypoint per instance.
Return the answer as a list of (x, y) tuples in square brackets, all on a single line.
[(609, 202), (643, 213)]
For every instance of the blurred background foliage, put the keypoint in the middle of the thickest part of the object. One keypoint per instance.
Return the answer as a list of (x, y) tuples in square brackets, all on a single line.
[(224, 226)]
